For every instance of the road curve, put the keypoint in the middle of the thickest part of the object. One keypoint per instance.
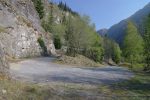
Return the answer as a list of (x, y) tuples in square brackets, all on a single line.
[(43, 70)]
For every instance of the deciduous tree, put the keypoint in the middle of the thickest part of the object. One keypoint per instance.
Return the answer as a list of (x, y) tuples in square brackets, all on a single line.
[(147, 44), (133, 44)]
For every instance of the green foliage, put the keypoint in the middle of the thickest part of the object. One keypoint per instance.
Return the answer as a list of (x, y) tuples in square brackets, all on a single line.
[(39, 7), (137, 86), (107, 45), (45, 25), (112, 50), (42, 45), (94, 53), (58, 30), (51, 20), (75, 32), (80, 35), (57, 42), (147, 44), (48, 23), (133, 44), (116, 55), (59, 33), (64, 7)]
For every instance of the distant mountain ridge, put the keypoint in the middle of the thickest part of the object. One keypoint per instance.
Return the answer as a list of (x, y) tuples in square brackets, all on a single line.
[(102, 32), (117, 31)]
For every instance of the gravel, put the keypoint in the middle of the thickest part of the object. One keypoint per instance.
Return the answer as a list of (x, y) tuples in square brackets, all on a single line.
[(43, 70)]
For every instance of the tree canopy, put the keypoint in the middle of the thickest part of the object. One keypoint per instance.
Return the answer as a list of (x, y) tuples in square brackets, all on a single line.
[(133, 44), (147, 44)]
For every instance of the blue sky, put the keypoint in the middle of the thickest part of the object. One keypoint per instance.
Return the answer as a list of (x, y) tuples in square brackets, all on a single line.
[(105, 13)]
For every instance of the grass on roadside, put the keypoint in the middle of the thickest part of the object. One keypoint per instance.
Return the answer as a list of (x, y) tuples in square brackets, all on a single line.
[(133, 88), (137, 88), (14, 90)]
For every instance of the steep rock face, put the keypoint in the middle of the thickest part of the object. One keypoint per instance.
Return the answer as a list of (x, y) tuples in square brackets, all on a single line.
[(26, 9), (18, 36), (20, 28)]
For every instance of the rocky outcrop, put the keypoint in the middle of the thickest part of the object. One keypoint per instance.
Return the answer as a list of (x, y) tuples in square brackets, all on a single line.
[(17, 32), (26, 8), (20, 28)]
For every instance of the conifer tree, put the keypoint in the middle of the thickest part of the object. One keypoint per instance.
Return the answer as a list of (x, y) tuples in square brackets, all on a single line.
[(39, 7)]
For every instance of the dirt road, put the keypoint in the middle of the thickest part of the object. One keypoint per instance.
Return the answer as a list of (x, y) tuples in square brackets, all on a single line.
[(43, 70)]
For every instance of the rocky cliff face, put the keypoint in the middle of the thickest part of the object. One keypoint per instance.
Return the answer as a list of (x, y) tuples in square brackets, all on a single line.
[(20, 28)]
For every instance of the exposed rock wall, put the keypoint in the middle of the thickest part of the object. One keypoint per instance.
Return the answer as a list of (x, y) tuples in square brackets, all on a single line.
[(20, 28), (26, 8), (18, 36)]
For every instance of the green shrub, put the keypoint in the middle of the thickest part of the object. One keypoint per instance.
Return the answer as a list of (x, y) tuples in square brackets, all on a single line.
[(45, 25), (39, 7), (42, 45), (116, 53), (95, 53), (57, 42)]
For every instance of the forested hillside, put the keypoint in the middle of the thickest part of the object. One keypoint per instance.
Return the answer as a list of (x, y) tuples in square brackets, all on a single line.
[(71, 31), (75, 35), (117, 31)]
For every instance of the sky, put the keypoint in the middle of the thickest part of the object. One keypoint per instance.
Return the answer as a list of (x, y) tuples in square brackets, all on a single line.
[(105, 13)]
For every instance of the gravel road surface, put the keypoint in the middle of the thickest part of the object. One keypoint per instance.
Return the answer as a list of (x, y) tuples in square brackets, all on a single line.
[(43, 70)]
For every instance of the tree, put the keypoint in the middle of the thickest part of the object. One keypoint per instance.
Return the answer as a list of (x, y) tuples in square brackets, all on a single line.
[(94, 53), (39, 7), (80, 36), (51, 19), (147, 44), (57, 42), (70, 37), (66, 8), (112, 50), (116, 53), (47, 24), (107, 45), (58, 34), (43, 46), (133, 44)]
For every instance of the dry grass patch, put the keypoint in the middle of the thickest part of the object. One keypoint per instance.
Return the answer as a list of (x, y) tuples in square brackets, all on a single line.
[(79, 60), (3, 29)]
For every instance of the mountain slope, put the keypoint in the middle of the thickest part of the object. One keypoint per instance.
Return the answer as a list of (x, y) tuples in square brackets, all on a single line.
[(102, 32), (117, 31)]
